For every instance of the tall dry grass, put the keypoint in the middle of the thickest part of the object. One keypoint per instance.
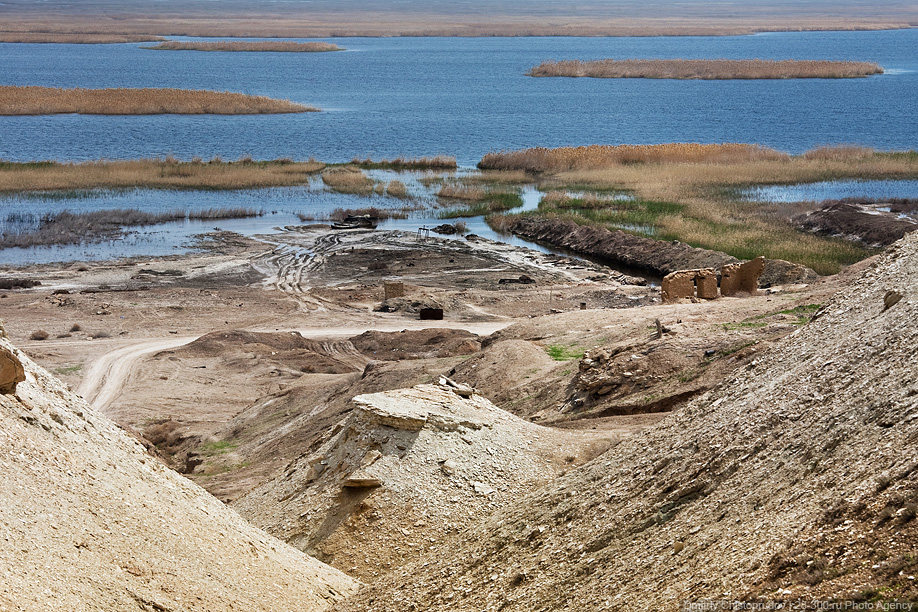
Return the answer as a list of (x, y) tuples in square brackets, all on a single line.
[(265, 19), (436, 162), (592, 157), (396, 189), (283, 46), (31, 100), (166, 173), (701, 203), (706, 69), (463, 192), (348, 179), (75, 38)]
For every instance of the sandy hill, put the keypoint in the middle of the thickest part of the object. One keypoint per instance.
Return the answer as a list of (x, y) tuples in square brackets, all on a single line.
[(796, 479), (405, 470), (89, 521)]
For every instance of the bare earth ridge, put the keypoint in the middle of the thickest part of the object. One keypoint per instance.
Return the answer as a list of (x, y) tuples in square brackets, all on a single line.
[(90, 521), (791, 481)]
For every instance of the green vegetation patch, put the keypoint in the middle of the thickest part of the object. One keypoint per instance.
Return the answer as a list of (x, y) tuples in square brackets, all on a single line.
[(219, 448), (560, 352), (494, 202)]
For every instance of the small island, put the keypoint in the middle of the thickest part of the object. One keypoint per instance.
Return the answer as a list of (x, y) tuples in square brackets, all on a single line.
[(32, 100), (280, 46), (76, 38), (714, 69)]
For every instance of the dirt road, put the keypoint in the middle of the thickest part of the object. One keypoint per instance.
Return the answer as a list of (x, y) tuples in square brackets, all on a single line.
[(106, 376)]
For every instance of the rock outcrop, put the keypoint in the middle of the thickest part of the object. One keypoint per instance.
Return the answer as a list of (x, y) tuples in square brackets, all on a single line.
[(11, 370), (89, 521), (793, 481)]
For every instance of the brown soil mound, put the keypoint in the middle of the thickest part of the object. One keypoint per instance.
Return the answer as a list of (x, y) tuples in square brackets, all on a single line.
[(90, 521), (873, 224), (416, 344), (647, 255), (287, 348), (789, 482)]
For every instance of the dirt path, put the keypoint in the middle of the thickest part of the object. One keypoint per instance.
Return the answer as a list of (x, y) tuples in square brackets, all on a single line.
[(105, 377)]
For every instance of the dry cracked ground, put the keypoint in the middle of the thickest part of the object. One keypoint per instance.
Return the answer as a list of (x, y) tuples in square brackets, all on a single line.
[(545, 446)]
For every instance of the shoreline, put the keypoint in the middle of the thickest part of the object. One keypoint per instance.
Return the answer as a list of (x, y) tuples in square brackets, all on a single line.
[(389, 24)]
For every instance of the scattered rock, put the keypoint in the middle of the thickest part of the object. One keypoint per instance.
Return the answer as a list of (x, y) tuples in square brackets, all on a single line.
[(11, 371)]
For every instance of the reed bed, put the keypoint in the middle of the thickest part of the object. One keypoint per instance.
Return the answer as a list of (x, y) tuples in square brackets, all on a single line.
[(279, 46), (563, 199), (701, 203), (463, 192), (541, 159), (396, 189), (75, 38), (97, 226), (32, 100), (495, 202), (168, 173), (436, 162), (348, 179), (706, 69)]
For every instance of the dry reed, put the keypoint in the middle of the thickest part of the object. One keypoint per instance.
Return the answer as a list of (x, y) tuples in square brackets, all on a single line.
[(396, 189), (348, 179), (463, 192), (437, 162), (705, 69), (31, 100), (282, 46), (654, 18), (166, 173), (562, 159), (75, 38), (701, 203)]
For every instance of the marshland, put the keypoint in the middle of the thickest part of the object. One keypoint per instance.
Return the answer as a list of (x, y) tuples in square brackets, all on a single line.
[(35, 100), (411, 148), (280, 46), (697, 193), (476, 18), (706, 69)]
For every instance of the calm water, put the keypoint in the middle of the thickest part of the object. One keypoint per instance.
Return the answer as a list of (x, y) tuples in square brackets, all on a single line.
[(388, 97), (280, 207), (834, 190), (465, 97)]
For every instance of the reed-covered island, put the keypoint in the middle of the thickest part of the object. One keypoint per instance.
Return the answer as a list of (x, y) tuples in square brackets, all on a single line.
[(76, 38), (277, 46), (706, 69), (33, 100)]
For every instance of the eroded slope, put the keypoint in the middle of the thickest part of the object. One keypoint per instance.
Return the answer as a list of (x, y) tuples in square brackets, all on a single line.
[(795, 479), (405, 470), (90, 521)]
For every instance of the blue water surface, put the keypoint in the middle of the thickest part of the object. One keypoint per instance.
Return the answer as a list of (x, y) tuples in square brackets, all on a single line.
[(386, 97)]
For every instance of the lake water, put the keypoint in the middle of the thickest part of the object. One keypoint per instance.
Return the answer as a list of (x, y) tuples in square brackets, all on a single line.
[(390, 97), (279, 206), (834, 190), (387, 97)]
